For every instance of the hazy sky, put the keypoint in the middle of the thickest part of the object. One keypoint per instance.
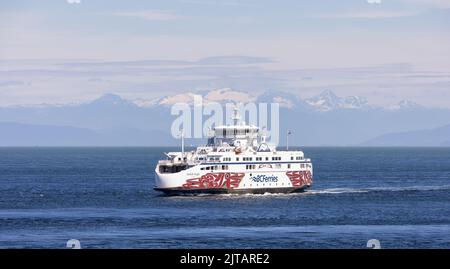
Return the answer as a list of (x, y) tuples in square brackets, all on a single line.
[(305, 44)]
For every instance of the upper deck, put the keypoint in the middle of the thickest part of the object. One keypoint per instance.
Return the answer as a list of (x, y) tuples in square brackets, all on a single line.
[(237, 143)]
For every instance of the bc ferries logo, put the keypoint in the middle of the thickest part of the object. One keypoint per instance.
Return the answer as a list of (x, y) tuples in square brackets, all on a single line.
[(264, 178)]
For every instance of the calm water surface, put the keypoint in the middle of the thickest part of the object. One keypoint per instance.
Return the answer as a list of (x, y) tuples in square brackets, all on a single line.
[(104, 198)]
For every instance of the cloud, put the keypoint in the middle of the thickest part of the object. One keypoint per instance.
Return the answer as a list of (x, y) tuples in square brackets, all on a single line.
[(374, 1), (73, 1), (375, 14), (151, 15), (232, 3), (439, 4)]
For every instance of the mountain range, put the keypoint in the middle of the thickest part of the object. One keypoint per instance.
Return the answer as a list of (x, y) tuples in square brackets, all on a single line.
[(325, 101), (427, 138), (110, 120)]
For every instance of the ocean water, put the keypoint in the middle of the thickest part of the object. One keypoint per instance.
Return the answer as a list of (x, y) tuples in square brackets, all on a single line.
[(104, 198)]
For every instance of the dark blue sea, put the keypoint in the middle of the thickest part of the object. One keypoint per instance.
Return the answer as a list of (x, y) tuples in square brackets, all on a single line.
[(104, 198)]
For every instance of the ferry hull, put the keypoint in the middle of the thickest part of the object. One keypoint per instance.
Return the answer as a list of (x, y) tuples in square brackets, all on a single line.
[(234, 182), (183, 191)]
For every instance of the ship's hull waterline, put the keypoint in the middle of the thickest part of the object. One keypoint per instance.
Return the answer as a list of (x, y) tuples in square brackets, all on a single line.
[(212, 191)]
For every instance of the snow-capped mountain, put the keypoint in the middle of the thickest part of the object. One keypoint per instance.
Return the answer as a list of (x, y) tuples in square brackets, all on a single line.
[(224, 95), (228, 95), (327, 101), (284, 99), (405, 105)]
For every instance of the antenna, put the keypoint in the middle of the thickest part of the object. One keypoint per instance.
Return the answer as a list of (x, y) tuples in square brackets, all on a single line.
[(236, 117), (287, 139)]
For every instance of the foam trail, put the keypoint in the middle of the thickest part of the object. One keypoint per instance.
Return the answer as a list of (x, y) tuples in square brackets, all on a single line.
[(315, 192), (373, 189)]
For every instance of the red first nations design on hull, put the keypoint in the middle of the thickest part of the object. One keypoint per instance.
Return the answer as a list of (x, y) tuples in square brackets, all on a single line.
[(215, 180), (300, 178)]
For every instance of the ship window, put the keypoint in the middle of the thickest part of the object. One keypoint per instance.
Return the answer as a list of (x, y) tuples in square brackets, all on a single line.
[(207, 168), (267, 158), (292, 158), (302, 165), (237, 159), (289, 165)]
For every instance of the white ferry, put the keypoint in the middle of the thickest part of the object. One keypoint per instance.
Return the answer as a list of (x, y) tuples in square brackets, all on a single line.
[(236, 159)]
